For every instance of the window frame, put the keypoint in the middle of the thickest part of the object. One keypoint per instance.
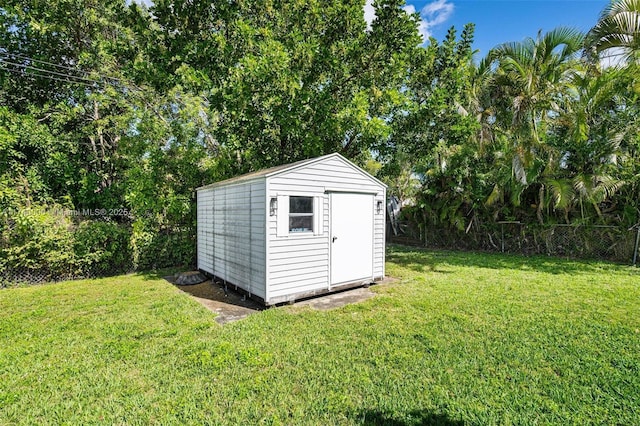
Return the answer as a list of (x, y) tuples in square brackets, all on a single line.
[(310, 214)]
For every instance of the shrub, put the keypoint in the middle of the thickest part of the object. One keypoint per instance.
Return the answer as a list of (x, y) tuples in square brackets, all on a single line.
[(38, 239), (163, 248), (102, 248), (43, 244)]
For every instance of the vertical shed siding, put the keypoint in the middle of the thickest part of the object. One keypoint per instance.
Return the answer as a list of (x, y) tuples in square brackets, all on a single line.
[(235, 216), (379, 236), (297, 263), (258, 236), (204, 204), (300, 263)]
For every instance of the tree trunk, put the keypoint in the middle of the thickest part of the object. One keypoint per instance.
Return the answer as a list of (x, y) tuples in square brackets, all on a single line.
[(540, 205)]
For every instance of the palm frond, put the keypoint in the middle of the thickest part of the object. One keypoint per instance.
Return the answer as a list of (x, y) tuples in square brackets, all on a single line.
[(605, 187), (617, 28), (519, 170), (582, 185), (561, 191), (569, 40)]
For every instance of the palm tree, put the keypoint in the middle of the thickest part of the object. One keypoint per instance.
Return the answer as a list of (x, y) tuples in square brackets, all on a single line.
[(532, 73), (593, 137), (617, 32), (529, 80)]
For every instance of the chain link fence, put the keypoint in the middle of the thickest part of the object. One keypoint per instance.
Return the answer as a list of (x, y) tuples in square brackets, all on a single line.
[(11, 277), (570, 241), (162, 249)]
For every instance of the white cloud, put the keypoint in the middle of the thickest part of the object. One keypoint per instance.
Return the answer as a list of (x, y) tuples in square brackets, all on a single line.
[(422, 25), (433, 14), (369, 13), (437, 12), (409, 8)]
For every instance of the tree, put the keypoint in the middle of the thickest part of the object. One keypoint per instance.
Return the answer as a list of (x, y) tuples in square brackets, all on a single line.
[(288, 80), (435, 131), (617, 32), (64, 64), (529, 81), (589, 137)]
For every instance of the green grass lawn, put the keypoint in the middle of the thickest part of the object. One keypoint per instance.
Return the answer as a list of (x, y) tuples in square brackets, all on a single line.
[(460, 338)]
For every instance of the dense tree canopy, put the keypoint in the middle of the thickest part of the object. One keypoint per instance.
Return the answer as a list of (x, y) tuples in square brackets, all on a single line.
[(113, 105)]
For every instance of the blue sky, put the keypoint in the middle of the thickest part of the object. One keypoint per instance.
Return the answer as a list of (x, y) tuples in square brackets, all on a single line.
[(499, 21)]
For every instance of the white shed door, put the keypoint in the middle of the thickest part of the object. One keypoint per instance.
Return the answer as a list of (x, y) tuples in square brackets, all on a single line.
[(351, 237)]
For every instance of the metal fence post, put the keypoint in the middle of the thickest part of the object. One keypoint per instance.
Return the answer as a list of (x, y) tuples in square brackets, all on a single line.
[(635, 250)]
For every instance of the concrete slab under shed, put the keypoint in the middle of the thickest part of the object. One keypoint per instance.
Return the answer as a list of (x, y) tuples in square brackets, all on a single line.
[(337, 300), (230, 307), (234, 306)]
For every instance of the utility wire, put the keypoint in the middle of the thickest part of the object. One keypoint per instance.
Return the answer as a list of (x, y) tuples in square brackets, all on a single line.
[(27, 58), (17, 55), (70, 78), (19, 69), (20, 73), (16, 64)]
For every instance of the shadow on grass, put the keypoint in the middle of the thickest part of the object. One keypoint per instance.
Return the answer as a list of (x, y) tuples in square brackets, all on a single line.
[(158, 274), (425, 260), (413, 418), (228, 303)]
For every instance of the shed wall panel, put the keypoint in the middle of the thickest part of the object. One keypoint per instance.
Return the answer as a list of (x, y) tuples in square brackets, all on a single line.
[(233, 234), (379, 229), (204, 231), (300, 264)]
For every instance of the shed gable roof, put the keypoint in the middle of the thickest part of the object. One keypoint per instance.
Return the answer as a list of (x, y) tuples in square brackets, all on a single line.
[(274, 171)]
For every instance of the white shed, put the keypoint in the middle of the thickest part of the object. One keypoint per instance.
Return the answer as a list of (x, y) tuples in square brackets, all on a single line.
[(295, 230)]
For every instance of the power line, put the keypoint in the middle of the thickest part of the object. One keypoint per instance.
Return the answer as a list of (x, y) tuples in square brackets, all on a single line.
[(80, 79), (17, 55), (27, 58), (50, 77), (6, 54), (19, 69)]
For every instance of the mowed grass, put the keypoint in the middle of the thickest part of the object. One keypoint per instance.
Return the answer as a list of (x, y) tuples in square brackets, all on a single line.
[(459, 338)]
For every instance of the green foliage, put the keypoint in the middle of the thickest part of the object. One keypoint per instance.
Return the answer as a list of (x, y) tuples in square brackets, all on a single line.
[(116, 105), (37, 239), (291, 81), (438, 90), (158, 102), (531, 133), (54, 242), (160, 248), (33, 161), (46, 240), (438, 131), (617, 28), (102, 248)]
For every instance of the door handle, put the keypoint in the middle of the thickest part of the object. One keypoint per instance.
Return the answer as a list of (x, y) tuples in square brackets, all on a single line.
[(333, 240)]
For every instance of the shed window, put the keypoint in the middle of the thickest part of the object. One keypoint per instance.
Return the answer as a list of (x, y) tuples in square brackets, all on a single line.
[(300, 214)]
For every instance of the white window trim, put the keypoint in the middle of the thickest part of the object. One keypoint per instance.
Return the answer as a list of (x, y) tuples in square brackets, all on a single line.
[(283, 214)]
